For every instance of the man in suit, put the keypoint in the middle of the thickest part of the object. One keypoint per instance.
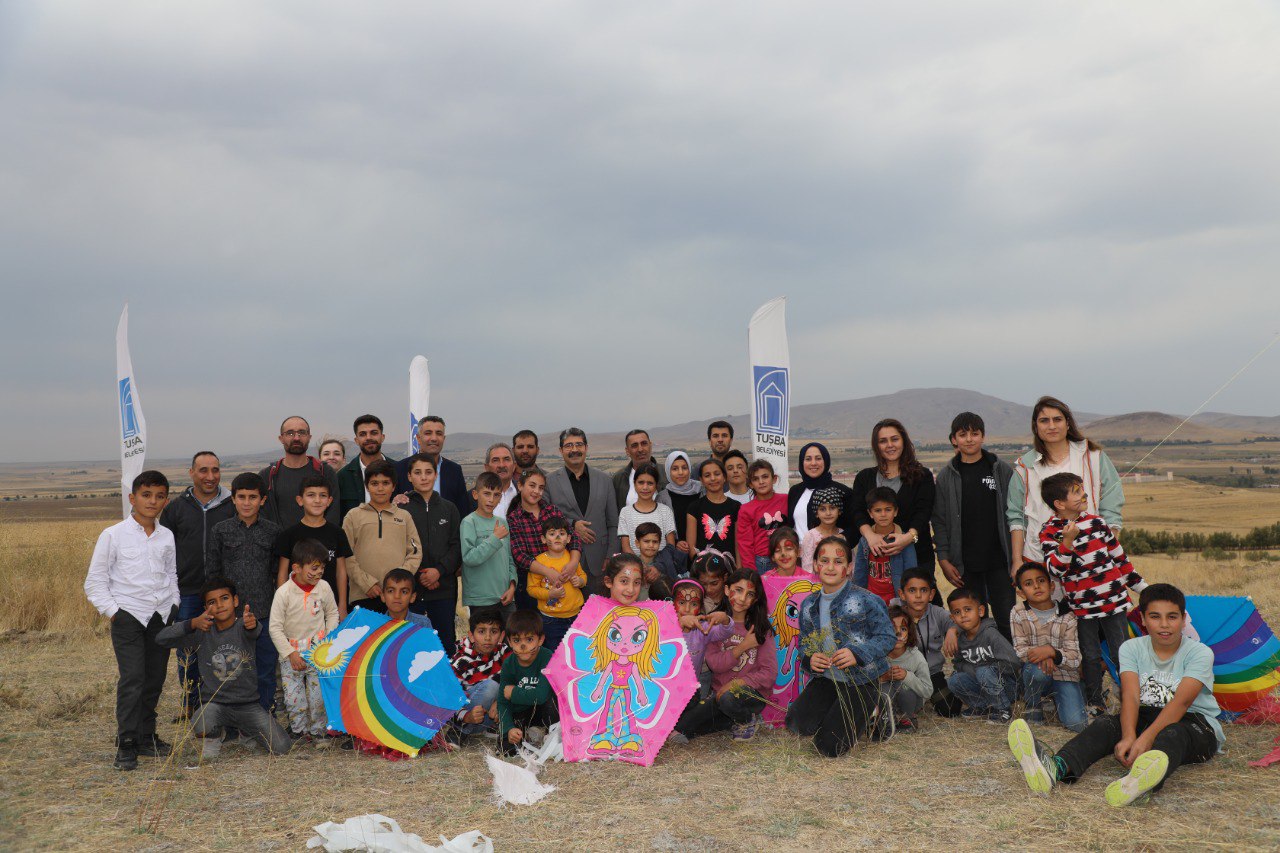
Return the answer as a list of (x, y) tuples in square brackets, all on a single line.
[(586, 497), (640, 452), (450, 482), (369, 438)]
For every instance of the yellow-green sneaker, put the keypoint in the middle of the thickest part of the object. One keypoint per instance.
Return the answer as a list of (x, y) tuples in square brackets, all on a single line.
[(1035, 759), (1148, 770)]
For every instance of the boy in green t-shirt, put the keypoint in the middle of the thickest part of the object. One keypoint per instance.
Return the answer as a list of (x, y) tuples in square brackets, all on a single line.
[(526, 705), (1168, 716)]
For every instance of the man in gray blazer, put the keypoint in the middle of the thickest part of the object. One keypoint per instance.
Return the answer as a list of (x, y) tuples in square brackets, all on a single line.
[(586, 497)]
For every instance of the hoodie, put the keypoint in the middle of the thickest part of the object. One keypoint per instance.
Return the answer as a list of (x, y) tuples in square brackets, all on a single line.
[(191, 522), (987, 648)]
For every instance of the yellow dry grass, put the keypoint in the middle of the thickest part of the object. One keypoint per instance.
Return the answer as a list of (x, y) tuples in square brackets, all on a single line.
[(1184, 506), (952, 784)]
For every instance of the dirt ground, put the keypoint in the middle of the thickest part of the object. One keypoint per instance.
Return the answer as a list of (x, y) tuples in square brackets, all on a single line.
[(952, 784)]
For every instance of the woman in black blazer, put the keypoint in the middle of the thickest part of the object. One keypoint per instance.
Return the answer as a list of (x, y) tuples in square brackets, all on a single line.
[(896, 467)]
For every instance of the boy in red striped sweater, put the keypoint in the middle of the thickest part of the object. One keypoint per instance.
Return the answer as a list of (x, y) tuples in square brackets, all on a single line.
[(1083, 553)]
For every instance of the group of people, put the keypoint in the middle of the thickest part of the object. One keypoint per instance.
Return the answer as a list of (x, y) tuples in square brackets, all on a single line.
[(244, 581)]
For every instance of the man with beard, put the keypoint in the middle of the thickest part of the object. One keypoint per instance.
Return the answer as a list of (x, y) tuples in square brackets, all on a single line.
[(499, 459), (524, 445), (586, 497), (369, 438), (190, 516), (720, 437), (450, 482), (284, 476), (640, 451)]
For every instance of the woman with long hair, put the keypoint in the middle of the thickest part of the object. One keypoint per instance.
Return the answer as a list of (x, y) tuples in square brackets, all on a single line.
[(1059, 447), (896, 468)]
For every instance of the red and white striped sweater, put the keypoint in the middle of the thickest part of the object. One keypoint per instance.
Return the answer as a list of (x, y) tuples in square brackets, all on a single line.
[(1095, 572)]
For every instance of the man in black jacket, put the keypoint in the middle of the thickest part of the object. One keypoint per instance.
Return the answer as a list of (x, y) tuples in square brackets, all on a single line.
[(190, 517), (369, 438), (450, 482)]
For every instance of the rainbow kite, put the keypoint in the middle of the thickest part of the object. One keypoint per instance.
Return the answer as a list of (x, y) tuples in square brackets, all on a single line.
[(1245, 651), (386, 682)]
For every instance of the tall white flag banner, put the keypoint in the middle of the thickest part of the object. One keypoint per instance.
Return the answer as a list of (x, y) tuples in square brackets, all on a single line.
[(133, 428), (770, 385), (419, 396)]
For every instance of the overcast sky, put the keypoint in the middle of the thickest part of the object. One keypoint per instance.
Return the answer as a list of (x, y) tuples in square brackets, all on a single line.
[(573, 209)]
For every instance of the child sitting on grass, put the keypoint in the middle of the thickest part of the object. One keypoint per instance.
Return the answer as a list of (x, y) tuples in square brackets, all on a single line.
[(986, 666), (1082, 551), (303, 612), (558, 601), (477, 663), (526, 705), (1168, 716), (699, 630), (845, 638), (935, 635), (743, 666), (1044, 637), (882, 575), (224, 640), (907, 683)]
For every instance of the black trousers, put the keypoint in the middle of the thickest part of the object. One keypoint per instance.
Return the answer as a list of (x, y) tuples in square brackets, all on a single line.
[(704, 716), (944, 702), (1091, 633), (996, 589), (143, 665), (1189, 741), (524, 718), (834, 714)]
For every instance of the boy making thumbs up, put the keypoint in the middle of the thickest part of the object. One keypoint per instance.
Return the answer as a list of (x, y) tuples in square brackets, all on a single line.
[(224, 645)]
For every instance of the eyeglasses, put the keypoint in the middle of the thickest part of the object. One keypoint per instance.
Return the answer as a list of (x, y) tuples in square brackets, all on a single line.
[(296, 433), (573, 445)]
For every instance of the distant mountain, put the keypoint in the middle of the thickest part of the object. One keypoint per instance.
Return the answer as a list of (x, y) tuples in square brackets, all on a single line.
[(1153, 426), (926, 412), (1257, 424)]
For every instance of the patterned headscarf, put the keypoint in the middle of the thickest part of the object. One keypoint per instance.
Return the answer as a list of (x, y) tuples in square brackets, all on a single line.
[(828, 495)]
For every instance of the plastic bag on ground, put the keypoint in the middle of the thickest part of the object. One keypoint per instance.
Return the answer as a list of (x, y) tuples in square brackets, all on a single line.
[(377, 833), (516, 785)]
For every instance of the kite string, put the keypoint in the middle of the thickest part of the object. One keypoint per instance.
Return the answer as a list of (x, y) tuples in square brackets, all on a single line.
[(1209, 400)]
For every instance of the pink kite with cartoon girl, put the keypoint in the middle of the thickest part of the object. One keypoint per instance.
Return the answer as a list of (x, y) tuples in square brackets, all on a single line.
[(785, 593), (622, 677)]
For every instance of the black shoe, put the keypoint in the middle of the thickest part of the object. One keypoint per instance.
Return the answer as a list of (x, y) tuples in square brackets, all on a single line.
[(154, 747), (127, 755), (453, 734)]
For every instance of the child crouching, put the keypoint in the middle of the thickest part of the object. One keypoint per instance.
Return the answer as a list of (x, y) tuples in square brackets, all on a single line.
[(907, 683), (986, 666), (477, 664), (845, 637), (525, 702), (224, 643)]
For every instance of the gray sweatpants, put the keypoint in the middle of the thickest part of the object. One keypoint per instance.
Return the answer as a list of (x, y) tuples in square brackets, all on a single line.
[(249, 717), (906, 702)]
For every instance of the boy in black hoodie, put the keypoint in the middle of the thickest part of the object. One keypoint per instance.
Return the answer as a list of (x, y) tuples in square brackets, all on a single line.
[(986, 666)]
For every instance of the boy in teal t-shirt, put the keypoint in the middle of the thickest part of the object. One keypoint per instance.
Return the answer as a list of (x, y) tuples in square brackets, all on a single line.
[(1168, 716)]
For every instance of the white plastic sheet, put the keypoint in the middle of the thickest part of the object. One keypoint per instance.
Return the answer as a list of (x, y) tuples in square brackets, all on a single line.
[(377, 833), (552, 749), (516, 785)]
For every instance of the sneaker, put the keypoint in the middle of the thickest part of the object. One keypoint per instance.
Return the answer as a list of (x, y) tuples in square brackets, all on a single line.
[(1095, 711), (999, 718), (154, 747), (1035, 759), (535, 736), (453, 733), (127, 755), (746, 731), (1147, 772), (1036, 717), (973, 714), (907, 724), (345, 742), (676, 737), (210, 749), (322, 741)]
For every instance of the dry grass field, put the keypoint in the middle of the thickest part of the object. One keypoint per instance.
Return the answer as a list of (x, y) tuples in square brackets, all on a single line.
[(952, 784)]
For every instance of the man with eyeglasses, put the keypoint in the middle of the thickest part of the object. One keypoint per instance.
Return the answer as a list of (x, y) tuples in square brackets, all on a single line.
[(284, 476), (586, 497)]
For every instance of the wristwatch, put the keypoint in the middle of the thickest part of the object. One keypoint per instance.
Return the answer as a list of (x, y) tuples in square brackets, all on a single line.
[(915, 537)]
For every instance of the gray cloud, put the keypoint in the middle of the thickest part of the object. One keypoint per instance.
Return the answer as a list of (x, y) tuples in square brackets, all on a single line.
[(573, 209)]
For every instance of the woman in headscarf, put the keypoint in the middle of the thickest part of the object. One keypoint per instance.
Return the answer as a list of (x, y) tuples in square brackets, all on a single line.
[(896, 468), (815, 473), (682, 489)]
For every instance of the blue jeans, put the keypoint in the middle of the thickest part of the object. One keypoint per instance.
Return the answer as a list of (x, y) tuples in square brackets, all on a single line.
[(986, 689), (481, 695), (553, 630), (190, 605), (1067, 696), (441, 615), (763, 564), (266, 659)]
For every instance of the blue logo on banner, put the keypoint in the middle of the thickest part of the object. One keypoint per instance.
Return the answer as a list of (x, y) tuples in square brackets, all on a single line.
[(771, 390), (128, 418), (413, 433)]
